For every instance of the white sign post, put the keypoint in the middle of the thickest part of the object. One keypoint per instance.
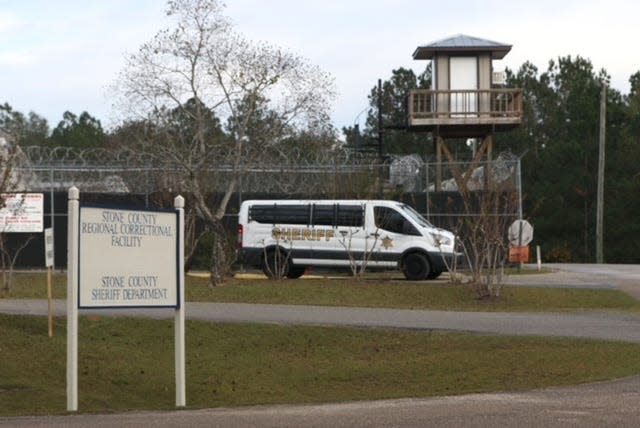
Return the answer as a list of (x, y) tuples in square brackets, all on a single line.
[(181, 389), (48, 258), (72, 299), (124, 258)]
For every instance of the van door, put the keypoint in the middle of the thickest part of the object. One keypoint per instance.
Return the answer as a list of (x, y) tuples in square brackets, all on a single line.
[(340, 232), (394, 233)]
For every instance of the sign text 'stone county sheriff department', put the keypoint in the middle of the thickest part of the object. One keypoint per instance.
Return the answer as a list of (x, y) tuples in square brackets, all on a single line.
[(127, 258)]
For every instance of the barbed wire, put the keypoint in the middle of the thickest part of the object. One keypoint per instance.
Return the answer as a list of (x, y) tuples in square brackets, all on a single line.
[(43, 156), (330, 173)]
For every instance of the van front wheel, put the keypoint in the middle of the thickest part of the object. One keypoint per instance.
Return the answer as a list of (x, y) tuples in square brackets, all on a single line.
[(296, 272), (415, 267), (275, 264), (433, 275)]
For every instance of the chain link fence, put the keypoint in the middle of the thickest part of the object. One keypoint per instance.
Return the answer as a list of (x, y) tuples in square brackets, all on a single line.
[(130, 178)]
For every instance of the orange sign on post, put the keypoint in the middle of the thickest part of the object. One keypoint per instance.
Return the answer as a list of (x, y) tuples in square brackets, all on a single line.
[(519, 254)]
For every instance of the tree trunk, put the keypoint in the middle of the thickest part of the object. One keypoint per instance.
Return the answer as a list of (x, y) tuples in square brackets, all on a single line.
[(219, 261)]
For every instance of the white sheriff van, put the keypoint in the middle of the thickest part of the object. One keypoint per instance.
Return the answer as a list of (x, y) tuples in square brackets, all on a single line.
[(284, 237)]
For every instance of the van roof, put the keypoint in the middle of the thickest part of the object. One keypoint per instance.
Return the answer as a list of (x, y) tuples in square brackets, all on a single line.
[(318, 201)]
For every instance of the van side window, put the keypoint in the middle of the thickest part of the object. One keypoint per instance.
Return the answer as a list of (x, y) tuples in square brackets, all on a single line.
[(391, 220), (338, 215), (323, 215), (284, 214), (350, 215)]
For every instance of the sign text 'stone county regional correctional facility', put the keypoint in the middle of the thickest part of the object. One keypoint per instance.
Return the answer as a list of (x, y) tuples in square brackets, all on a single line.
[(128, 258)]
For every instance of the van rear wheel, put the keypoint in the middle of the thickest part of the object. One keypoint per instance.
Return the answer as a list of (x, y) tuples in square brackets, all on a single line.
[(415, 267), (275, 264)]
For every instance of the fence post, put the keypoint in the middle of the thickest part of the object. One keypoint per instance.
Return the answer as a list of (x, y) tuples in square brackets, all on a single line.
[(426, 187)]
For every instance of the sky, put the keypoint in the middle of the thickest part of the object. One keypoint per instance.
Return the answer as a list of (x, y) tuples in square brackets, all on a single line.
[(58, 56)]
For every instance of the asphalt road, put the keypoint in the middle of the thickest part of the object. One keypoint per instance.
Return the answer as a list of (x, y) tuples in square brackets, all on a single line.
[(603, 404), (598, 325), (606, 404)]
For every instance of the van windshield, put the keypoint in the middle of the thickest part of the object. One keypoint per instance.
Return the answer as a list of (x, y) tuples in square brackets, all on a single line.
[(415, 216)]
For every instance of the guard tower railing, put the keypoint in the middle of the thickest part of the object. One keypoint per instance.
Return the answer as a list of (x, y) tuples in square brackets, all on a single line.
[(498, 106)]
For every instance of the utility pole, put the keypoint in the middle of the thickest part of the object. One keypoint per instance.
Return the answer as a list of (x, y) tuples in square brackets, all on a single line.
[(380, 131), (600, 196), (380, 140)]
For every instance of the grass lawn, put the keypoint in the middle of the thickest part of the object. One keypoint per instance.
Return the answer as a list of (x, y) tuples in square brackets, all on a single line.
[(407, 295), (127, 364), (388, 292)]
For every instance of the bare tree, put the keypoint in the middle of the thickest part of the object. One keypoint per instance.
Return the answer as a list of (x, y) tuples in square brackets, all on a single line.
[(359, 260), (202, 71), (10, 179), (483, 236), (8, 258), (277, 263)]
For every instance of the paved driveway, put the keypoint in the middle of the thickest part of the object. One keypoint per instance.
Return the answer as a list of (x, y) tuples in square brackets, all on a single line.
[(606, 404), (623, 277)]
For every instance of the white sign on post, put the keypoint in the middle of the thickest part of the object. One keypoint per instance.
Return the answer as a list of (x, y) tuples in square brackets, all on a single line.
[(22, 212), (128, 258), (48, 247)]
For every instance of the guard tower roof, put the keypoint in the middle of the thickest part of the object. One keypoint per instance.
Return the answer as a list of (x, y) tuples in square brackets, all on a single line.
[(462, 44)]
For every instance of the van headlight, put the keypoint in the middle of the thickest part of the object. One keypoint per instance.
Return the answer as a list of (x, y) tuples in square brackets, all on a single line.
[(441, 240)]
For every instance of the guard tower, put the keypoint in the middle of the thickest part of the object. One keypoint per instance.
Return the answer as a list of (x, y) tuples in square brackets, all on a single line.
[(467, 99)]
